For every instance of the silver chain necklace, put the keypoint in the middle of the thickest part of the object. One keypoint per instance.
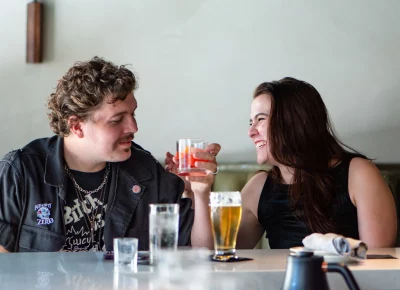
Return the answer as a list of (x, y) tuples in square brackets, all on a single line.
[(79, 190), (106, 174), (92, 220)]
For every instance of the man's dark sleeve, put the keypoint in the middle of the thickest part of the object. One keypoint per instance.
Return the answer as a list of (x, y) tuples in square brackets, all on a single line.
[(10, 205), (186, 219)]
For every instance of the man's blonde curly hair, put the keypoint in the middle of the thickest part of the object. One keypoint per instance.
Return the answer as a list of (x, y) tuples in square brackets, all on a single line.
[(84, 87)]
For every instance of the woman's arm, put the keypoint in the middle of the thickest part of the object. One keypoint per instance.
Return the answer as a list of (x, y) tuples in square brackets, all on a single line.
[(250, 230), (376, 211), (2, 250), (198, 189)]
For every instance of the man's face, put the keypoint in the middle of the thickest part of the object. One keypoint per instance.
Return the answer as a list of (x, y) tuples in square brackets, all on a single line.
[(110, 129)]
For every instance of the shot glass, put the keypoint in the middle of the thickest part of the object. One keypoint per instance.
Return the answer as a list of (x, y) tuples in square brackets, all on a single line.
[(125, 252), (226, 213), (185, 149), (163, 229)]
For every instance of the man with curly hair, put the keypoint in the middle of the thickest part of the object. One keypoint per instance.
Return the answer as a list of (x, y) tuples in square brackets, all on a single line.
[(90, 183)]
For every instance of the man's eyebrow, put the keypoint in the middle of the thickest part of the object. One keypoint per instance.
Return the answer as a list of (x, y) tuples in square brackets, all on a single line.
[(123, 112), (118, 114)]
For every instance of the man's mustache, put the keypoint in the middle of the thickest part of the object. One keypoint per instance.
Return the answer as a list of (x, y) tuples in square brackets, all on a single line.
[(127, 138)]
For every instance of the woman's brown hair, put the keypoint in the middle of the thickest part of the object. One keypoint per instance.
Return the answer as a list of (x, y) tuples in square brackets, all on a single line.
[(301, 137)]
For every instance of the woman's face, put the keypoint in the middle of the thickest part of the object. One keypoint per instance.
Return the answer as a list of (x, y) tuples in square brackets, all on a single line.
[(259, 126)]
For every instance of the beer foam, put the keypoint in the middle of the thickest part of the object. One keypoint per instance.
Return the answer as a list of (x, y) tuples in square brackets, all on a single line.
[(225, 205), (225, 198)]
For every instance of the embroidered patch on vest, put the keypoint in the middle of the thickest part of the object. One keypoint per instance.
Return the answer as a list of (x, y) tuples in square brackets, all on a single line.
[(43, 214), (136, 189)]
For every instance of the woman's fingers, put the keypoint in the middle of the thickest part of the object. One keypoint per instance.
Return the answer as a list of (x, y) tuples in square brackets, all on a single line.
[(206, 156), (209, 154), (213, 148), (207, 159), (211, 167)]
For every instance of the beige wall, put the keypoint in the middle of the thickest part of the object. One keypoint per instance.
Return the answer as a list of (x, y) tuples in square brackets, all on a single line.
[(199, 61)]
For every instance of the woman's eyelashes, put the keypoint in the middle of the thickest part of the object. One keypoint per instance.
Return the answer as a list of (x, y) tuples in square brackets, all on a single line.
[(259, 119)]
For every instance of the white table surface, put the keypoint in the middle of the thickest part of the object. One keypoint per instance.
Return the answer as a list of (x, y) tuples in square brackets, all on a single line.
[(91, 271)]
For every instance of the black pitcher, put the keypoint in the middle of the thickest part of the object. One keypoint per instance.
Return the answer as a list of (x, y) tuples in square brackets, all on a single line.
[(304, 271)]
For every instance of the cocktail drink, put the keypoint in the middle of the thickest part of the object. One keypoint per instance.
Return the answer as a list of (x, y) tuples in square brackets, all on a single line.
[(226, 213), (185, 149)]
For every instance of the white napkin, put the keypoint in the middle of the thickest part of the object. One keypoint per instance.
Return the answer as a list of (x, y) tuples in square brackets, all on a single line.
[(336, 244)]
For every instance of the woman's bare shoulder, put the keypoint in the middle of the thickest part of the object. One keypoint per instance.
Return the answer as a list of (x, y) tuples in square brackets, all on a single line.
[(359, 163), (251, 193), (255, 184), (365, 179), (364, 170)]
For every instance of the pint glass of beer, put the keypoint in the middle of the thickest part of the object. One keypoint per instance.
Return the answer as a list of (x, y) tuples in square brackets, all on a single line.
[(226, 213)]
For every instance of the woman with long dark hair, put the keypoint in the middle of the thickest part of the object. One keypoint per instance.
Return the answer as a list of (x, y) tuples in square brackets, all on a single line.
[(316, 183)]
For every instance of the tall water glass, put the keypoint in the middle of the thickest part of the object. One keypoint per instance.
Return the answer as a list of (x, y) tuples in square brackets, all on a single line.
[(164, 228), (226, 213)]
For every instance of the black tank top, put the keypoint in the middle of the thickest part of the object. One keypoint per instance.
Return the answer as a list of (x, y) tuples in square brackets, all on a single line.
[(286, 229)]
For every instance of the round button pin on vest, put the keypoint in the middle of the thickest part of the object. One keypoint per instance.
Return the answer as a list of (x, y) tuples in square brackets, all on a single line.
[(136, 189)]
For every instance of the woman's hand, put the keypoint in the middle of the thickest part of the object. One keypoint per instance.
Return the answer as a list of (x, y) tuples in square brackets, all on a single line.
[(201, 184)]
